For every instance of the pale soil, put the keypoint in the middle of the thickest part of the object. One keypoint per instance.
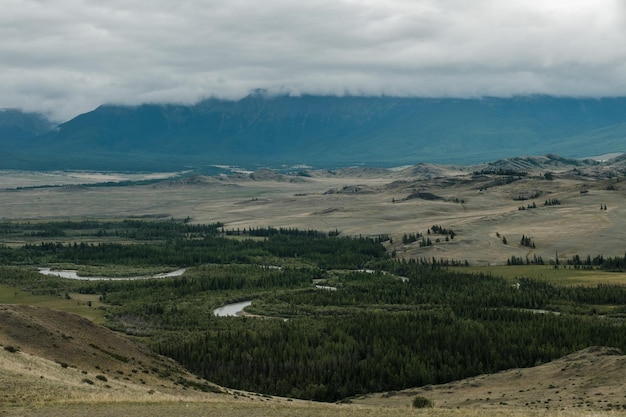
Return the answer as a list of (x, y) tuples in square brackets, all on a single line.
[(18, 179)]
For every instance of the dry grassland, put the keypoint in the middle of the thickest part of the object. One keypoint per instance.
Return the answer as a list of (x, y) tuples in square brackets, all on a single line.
[(372, 202), (239, 409)]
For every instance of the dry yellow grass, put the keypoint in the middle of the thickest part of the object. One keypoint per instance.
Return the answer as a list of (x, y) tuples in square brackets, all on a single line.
[(591, 380), (263, 409)]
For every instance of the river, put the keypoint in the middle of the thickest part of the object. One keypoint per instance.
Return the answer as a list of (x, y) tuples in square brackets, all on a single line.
[(231, 310), (74, 275)]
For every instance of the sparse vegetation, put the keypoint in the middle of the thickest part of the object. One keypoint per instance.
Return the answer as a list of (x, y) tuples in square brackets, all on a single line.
[(528, 207), (552, 202)]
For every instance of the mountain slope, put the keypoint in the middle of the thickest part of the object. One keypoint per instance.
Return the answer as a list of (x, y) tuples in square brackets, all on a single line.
[(331, 131), (17, 126)]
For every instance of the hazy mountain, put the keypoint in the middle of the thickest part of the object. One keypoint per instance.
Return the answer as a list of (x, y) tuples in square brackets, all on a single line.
[(17, 126), (327, 131)]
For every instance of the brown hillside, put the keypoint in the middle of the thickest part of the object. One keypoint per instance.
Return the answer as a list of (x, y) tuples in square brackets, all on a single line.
[(69, 357), (590, 380)]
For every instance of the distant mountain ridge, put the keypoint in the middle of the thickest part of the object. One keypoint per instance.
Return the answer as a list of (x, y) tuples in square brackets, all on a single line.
[(17, 126), (322, 131)]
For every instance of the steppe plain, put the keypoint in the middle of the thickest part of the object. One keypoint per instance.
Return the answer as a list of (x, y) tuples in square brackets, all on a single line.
[(480, 203), (477, 203)]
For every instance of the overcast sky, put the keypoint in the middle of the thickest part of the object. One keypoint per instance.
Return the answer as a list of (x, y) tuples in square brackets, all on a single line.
[(65, 57)]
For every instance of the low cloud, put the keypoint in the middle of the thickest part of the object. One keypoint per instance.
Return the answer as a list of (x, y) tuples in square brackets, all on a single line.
[(71, 56)]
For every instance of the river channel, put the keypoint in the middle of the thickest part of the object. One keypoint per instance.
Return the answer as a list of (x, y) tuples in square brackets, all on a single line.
[(231, 310), (74, 275)]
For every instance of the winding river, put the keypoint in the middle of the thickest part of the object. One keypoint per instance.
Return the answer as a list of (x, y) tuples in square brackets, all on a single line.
[(74, 275)]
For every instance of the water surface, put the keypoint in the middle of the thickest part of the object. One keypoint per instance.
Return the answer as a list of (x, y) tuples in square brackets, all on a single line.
[(74, 275), (231, 310)]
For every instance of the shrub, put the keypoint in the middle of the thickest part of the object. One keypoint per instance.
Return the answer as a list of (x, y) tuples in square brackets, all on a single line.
[(422, 402), (11, 349)]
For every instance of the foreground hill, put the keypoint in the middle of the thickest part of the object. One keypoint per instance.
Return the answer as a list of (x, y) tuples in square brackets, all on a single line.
[(591, 379), (65, 357), (54, 364), (324, 131)]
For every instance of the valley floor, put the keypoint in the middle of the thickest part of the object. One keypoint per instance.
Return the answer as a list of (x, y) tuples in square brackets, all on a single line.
[(586, 214)]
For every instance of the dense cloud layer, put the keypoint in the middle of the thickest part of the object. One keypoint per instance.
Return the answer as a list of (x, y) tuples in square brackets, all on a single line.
[(68, 56)]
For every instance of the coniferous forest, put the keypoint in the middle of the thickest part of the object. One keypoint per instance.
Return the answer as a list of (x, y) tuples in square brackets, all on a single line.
[(331, 316)]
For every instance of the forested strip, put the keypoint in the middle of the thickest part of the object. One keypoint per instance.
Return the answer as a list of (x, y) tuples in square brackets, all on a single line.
[(134, 229), (182, 245)]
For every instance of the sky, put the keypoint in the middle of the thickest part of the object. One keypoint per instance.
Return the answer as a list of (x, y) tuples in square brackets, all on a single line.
[(66, 57)]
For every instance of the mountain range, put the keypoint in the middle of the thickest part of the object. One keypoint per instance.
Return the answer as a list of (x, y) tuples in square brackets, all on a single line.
[(320, 131)]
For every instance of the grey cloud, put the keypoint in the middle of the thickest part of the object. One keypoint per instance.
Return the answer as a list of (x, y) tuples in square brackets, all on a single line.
[(70, 56)]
